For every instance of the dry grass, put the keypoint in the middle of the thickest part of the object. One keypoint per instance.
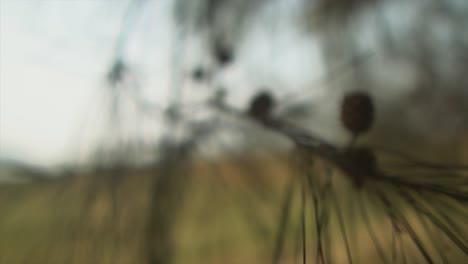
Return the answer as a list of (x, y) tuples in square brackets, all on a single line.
[(229, 215)]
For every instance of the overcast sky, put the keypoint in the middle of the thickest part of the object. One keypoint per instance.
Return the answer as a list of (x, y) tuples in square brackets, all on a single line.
[(54, 57), (55, 54)]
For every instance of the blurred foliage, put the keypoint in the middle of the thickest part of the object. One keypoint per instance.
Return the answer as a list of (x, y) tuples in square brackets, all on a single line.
[(329, 202)]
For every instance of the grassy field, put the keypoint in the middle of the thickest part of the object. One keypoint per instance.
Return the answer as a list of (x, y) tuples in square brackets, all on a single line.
[(229, 214), (101, 219)]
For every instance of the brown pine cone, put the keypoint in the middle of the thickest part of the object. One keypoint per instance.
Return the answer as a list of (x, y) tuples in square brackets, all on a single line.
[(357, 112), (199, 74), (261, 105), (223, 54)]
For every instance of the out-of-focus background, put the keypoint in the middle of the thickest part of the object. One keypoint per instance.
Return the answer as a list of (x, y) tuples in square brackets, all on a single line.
[(113, 147)]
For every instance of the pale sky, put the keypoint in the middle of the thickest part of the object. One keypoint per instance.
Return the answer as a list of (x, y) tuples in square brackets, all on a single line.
[(55, 54), (54, 57)]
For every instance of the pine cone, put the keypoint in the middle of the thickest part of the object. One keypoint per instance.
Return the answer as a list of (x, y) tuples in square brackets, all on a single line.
[(261, 106), (199, 74), (357, 112), (223, 54)]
